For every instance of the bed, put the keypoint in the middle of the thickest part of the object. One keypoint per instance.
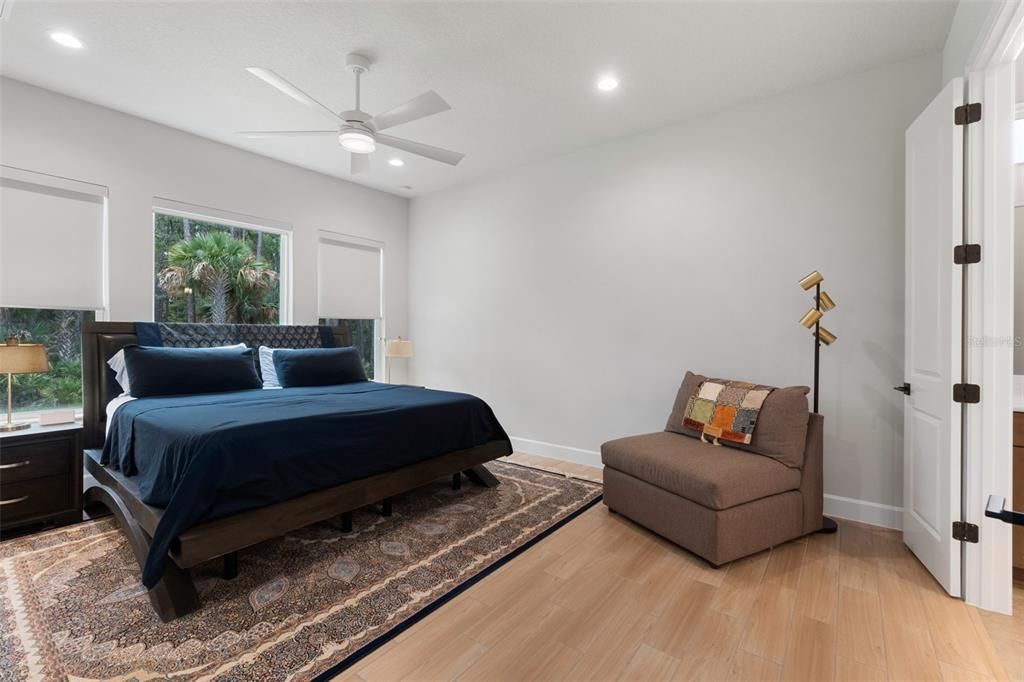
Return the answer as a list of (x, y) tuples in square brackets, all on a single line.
[(195, 478)]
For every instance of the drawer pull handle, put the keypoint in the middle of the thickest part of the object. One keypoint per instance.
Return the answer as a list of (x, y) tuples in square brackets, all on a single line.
[(16, 500), (15, 465)]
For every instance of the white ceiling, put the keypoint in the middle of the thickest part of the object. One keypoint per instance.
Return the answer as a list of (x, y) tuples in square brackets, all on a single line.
[(519, 76)]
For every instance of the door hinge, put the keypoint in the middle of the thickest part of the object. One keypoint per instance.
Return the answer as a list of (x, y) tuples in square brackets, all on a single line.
[(965, 254), (966, 393), (965, 532), (967, 113)]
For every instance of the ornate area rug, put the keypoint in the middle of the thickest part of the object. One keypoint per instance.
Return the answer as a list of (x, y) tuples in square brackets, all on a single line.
[(302, 606)]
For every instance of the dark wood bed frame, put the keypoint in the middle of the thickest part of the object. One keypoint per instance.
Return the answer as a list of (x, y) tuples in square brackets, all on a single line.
[(175, 595)]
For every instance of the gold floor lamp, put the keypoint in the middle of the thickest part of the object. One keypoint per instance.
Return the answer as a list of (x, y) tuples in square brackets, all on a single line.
[(812, 320), (395, 348)]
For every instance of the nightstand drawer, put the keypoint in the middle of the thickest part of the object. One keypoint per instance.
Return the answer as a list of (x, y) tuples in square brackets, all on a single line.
[(38, 459), (36, 497)]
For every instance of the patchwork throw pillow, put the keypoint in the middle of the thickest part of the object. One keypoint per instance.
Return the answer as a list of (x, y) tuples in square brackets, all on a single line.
[(724, 410), (781, 431)]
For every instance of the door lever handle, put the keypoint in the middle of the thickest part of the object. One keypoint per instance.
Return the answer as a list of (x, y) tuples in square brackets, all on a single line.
[(904, 389), (996, 509)]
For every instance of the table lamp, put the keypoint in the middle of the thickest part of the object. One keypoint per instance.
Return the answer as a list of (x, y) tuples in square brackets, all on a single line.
[(19, 358), (395, 348)]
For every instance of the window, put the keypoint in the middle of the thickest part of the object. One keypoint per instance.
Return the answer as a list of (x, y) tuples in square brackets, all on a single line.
[(349, 292), (60, 331), (363, 335), (53, 233), (221, 272)]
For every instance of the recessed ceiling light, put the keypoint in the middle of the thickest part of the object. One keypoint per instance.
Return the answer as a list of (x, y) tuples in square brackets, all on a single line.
[(66, 39), (396, 162), (607, 83)]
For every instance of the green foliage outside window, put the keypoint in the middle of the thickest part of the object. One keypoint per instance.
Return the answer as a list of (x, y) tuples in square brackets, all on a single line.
[(207, 272), (60, 331)]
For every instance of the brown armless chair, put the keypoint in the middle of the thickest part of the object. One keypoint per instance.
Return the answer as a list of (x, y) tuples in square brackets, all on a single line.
[(722, 502)]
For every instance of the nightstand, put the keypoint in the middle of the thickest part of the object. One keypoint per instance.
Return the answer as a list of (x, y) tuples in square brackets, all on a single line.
[(41, 476)]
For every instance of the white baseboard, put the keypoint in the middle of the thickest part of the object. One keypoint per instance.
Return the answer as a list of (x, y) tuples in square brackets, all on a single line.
[(872, 513), (562, 452)]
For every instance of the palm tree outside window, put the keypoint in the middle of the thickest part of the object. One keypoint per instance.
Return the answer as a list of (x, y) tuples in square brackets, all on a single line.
[(208, 272)]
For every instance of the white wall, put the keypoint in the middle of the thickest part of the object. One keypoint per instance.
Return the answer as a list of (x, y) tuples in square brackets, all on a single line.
[(971, 19), (137, 160), (573, 293)]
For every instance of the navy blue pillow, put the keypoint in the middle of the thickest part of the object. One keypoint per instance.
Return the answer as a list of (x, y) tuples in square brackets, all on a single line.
[(185, 371), (318, 367)]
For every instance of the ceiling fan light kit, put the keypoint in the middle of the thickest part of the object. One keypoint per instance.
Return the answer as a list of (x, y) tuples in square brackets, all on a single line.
[(357, 141), (357, 131)]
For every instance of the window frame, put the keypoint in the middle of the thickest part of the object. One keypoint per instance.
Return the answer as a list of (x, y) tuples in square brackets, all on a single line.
[(180, 209)]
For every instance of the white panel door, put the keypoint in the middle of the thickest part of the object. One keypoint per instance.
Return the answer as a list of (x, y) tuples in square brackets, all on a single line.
[(931, 455)]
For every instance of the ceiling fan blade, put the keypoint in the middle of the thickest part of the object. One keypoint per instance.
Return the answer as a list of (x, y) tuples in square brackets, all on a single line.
[(360, 163), (271, 78), (255, 134), (420, 149), (427, 104)]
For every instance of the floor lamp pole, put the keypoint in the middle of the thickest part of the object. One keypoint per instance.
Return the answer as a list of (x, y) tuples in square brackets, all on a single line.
[(817, 342), (827, 525)]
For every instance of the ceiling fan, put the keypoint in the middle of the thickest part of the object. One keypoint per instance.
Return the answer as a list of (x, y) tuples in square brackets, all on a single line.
[(357, 131)]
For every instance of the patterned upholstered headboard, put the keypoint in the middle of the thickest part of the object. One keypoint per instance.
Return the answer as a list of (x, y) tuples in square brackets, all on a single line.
[(101, 340)]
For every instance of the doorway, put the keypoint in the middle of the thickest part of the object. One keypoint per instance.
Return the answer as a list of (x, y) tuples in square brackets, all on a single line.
[(990, 306)]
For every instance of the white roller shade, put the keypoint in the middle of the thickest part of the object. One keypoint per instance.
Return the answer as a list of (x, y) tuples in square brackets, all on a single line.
[(51, 247), (349, 281)]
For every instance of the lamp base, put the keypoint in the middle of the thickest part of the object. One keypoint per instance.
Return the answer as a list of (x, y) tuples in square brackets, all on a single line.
[(828, 525), (16, 426)]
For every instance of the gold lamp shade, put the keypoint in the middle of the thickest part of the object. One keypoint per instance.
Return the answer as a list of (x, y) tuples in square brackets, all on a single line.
[(826, 301), (23, 358), (811, 279), (810, 317), (827, 337)]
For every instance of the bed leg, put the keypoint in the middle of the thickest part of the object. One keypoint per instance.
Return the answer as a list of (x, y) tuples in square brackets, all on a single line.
[(346, 522), (230, 566), (175, 595), (457, 481), (481, 476), (385, 507)]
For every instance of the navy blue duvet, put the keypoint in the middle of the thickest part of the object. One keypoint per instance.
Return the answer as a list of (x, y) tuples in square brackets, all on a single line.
[(203, 457)]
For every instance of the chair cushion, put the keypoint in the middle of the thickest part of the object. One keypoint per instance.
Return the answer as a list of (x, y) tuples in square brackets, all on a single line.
[(716, 477), (781, 431)]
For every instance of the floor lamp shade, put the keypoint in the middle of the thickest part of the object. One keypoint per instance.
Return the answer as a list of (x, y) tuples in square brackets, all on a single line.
[(399, 348)]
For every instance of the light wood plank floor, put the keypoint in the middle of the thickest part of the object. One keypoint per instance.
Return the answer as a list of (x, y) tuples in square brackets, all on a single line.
[(603, 599)]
